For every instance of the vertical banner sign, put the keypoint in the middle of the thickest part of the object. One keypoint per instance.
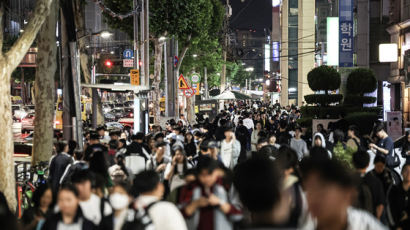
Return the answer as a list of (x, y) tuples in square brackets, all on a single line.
[(346, 33)]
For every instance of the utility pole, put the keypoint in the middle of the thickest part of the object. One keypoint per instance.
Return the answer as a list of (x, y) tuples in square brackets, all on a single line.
[(137, 102), (206, 83), (142, 44), (225, 46), (174, 79), (146, 43), (166, 78)]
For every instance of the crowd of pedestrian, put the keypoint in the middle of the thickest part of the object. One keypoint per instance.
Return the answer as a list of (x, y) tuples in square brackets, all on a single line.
[(252, 166)]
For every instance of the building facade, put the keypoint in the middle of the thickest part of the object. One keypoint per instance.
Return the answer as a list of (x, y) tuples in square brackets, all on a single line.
[(297, 55)]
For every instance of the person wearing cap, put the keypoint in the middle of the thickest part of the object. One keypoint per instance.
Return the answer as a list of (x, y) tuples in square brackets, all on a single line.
[(230, 148)]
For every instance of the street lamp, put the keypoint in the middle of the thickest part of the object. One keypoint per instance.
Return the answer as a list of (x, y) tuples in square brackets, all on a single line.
[(249, 69), (105, 34)]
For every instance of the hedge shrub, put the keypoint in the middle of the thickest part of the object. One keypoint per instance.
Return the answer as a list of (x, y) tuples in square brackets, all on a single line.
[(324, 78), (363, 120), (305, 122), (335, 112), (323, 99), (361, 81), (358, 100)]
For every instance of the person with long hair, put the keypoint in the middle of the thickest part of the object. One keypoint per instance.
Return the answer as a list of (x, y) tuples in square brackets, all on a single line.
[(70, 215), (42, 199), (353, 138), (189, 145), (176, 169)]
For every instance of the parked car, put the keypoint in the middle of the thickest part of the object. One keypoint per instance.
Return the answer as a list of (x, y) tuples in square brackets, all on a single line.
[(114, 126), (129, 103), (109, 117), (129, 112), (27, 123), (118, 113), (30, 108)]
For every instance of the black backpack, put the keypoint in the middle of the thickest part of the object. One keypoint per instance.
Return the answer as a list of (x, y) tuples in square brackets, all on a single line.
[(139, 219), (364, 199)]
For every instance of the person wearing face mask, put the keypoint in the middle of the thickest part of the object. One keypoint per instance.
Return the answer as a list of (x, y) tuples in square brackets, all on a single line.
[(120, 200)]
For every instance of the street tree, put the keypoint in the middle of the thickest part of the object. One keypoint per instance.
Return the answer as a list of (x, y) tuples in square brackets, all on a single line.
[(9, 60), (45, 88), (186, 20)]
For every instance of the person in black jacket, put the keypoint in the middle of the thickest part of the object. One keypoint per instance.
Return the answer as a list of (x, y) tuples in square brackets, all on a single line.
[(70, 215), (95, 146), (399, 206), (137, 145), (243, 136), (58, 165), (189, 146)]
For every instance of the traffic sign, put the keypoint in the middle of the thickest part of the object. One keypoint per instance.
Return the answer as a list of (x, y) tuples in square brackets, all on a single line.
[(128, 53), (135, 77), (128, 63), (189, 92), (195, 78), (182, 84), (197, 88)]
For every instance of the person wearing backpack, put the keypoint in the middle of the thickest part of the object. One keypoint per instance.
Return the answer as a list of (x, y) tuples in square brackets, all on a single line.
[(370, 195), (398, 209), (149, 191), (385, 147)]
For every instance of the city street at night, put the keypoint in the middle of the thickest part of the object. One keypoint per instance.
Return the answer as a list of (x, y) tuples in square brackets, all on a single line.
[(204, 114)]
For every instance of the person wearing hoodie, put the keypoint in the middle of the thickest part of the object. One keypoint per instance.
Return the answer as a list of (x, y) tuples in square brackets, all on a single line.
[(319, 141)]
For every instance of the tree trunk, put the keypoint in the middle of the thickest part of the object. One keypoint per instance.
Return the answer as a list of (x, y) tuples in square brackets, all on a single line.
[(158, 47), (7, 179), (190, 109), (45, 88), (8, 62)]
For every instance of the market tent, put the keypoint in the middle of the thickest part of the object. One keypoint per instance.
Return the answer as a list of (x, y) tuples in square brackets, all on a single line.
[(231, 95)]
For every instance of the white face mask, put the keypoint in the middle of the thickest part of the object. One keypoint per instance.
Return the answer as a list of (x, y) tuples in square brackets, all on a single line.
[(119, 201)]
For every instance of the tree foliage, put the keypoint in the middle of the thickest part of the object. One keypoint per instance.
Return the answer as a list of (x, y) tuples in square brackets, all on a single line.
[(361, 81), (324, 78)]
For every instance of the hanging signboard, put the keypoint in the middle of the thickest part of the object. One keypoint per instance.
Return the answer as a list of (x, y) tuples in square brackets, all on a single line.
[(346, 33)]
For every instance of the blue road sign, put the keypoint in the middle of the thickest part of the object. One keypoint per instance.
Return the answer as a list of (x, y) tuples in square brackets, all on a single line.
[(128, 53)]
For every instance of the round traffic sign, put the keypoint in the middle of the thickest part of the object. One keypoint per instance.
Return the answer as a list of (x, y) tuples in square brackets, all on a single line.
[(189, 92), (195, 78)]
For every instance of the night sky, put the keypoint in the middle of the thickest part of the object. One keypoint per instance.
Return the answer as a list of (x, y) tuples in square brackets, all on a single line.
[(251, 14)]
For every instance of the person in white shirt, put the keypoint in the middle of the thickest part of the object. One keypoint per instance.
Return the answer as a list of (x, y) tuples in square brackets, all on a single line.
[(298, 144), (248, 122), (255, 137), (90, 203), (230, 148), (150, 190)]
